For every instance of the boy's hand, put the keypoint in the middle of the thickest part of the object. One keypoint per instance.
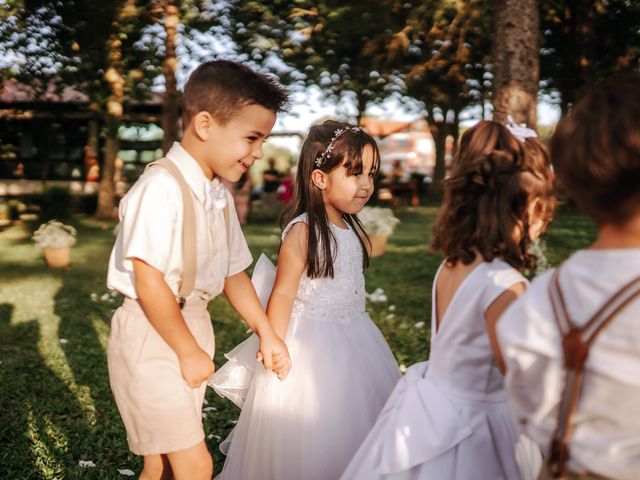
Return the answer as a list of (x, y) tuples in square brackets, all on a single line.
[(196, 368), (274, 355)]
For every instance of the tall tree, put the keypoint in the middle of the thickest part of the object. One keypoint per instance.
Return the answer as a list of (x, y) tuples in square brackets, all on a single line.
[(168, 13), (103, 55), (583, 42), (326, 43), (442, 52), (516, 64)]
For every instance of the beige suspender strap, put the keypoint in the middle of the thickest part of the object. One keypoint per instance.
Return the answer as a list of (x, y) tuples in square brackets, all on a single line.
[(227, 225), (188, 230), (575, 349)]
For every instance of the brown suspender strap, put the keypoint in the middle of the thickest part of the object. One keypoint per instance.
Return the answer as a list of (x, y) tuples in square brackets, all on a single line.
[(189, 243), (575, 349)]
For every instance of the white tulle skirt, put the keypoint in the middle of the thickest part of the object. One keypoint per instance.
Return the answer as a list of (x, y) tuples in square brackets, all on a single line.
[(309, 426), (425, 432)]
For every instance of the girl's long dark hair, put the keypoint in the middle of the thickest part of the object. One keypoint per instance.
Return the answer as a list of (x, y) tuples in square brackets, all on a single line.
[(494, 178), (346, 153)]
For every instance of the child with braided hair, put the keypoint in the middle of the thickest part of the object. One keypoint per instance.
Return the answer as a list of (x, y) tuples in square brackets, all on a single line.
[(448, 418)]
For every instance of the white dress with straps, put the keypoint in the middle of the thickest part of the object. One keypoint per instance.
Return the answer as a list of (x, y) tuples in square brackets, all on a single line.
[(448, 418), (310, 425)]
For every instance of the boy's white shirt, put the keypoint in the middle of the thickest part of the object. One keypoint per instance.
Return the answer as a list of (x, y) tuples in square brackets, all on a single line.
[(151, 230), (606, 435)]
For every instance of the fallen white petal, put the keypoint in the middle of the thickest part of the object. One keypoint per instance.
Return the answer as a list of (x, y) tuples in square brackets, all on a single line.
[(63, 341), (391, 316), (392, 308), (105, 297), (86, 464), (403, 368), (206, 402), (126, 471), (210, 409), (419, 325)]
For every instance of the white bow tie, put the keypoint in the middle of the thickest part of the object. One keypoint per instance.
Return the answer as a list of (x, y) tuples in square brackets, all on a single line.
[(214, 195)]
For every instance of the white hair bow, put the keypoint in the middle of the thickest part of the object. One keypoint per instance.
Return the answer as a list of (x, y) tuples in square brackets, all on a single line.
[(215, 197), (521, 132)]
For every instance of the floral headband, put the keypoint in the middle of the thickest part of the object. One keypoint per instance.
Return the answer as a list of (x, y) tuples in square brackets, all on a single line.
[(521, 132), (326, 154)]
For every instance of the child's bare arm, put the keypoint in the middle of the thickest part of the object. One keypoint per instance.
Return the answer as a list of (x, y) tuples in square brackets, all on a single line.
[(291, 265), (493, 314), (242, 295), (162, 310)]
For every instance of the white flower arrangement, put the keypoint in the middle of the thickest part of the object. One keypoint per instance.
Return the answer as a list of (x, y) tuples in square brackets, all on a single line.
[(378, 221), (55, 234)]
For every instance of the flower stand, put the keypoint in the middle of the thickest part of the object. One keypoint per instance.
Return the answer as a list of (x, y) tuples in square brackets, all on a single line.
[(57, 257)]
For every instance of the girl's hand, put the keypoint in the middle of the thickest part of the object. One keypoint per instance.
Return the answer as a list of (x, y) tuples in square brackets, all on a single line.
[(196, 368), (281, 366), (274, 354)]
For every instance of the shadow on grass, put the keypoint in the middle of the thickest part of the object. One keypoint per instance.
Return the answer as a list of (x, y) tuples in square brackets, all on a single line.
[(85, 325), (41, 417)]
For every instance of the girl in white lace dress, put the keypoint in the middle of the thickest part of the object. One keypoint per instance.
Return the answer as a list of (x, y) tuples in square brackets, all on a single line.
[(448, 418), (309, 425)]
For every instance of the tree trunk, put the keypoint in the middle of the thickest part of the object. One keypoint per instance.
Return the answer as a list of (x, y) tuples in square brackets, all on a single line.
[(439, 133), (169, 67), (516, 61), (362, 106), (113, 119), (106, 191), (455, 132)]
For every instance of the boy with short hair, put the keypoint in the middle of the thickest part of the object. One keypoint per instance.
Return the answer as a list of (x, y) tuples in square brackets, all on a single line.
[(571, 343), (162, 344)]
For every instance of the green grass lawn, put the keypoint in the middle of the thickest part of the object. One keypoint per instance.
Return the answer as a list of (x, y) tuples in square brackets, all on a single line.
[(55, 404)]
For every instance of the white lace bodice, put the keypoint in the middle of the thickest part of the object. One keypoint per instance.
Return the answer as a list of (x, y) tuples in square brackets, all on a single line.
[(341, 298)]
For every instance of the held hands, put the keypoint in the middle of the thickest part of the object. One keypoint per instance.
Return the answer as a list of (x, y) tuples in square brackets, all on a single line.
[(274, 355), (196, 367)]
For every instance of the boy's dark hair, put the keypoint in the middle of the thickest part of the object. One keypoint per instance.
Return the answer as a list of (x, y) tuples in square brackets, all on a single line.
[(220, 87), (308, 198), (596, 150), (494, 179)]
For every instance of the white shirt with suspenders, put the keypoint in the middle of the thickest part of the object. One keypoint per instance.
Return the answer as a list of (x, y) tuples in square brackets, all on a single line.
[(152, 230), (571, 344), (184, 225)]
